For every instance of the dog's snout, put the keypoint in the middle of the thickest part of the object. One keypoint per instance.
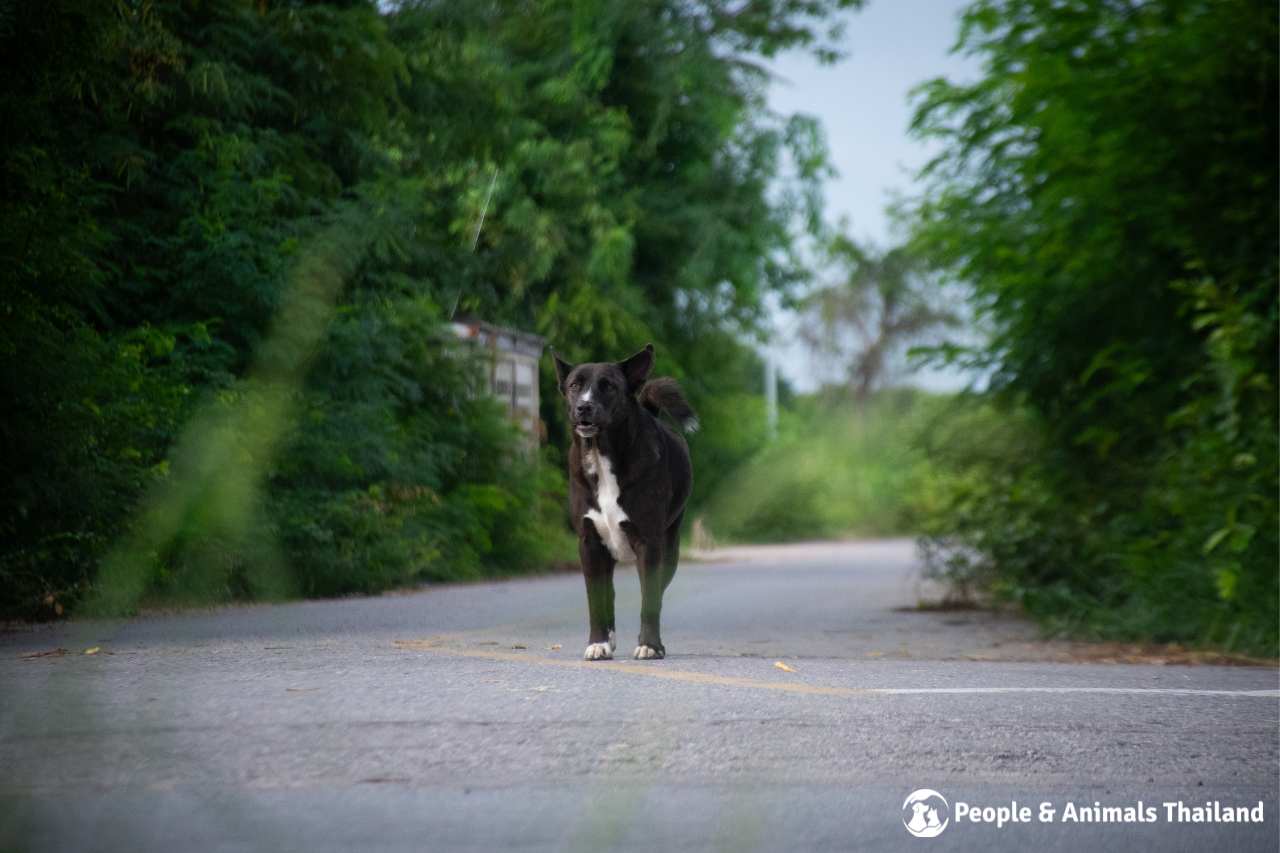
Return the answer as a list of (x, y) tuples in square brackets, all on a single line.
[(584, 409)]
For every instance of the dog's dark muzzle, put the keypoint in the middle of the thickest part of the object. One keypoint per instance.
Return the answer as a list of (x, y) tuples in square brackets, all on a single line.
[(584, 420)]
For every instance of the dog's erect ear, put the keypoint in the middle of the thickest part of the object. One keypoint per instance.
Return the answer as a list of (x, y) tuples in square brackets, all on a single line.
[(637, 368), (563, 369)]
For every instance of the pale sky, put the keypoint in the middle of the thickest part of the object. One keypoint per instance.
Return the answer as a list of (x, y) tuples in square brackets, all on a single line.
[(892, 46)]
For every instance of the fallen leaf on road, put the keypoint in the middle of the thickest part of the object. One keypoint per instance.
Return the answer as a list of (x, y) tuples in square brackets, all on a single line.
[(93, 650), (58, 652), (554, 648), (417, 645), (782, 666), (518, 646)]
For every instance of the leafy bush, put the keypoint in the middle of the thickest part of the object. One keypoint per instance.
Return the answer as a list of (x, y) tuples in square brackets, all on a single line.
[(414, 474), (88, 422), (1186, 554)]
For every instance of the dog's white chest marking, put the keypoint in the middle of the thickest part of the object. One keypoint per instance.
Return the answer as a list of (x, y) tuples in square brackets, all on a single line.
[(609, 517)]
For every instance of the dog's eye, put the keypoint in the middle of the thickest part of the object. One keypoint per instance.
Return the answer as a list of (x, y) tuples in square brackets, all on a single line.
[(575, 386), (606, 385)]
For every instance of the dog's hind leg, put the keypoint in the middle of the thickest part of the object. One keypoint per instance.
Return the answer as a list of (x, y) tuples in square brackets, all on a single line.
[(597, 570), (653, 577), (611, 626), (671, 552)]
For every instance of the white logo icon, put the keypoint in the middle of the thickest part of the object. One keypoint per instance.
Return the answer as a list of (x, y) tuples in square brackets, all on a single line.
[(925, 813)]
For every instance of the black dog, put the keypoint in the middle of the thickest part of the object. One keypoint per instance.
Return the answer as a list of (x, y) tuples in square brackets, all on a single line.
[(629, 479)]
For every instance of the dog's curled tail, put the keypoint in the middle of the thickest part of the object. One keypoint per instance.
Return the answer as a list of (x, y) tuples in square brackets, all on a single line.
[(664, 395)]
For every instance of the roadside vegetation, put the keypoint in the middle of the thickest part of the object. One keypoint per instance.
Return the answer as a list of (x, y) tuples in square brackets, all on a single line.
[(1109, 190), (232, 235), (837, 469), (232, 232)]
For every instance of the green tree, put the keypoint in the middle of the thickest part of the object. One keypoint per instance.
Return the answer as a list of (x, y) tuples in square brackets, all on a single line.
[(1109, 189), (883, 303)]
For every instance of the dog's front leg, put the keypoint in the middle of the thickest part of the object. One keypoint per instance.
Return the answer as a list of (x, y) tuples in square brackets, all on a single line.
[(650, 562), (597, 569)]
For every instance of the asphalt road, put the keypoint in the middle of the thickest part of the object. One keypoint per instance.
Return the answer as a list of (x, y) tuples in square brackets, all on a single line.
[(463, 718)]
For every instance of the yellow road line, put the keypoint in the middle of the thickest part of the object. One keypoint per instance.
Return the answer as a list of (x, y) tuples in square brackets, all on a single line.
[(440, 645), (648, 670)]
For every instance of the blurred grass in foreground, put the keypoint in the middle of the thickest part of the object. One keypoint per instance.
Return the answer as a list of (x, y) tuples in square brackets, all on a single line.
[(210, 506), (326, 471)]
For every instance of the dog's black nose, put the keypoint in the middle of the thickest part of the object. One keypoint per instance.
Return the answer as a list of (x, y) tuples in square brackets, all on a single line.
[(583, 409)]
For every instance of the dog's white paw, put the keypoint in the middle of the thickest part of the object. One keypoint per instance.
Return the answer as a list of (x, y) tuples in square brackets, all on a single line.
[(647, 653), (613, 642), (598, 651)]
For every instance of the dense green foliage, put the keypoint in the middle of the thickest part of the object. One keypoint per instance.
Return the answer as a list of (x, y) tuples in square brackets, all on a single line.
[(230, 232), (1109, 188)]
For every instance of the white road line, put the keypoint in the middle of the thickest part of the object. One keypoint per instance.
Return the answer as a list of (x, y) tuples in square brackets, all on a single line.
[(1125, 691)]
